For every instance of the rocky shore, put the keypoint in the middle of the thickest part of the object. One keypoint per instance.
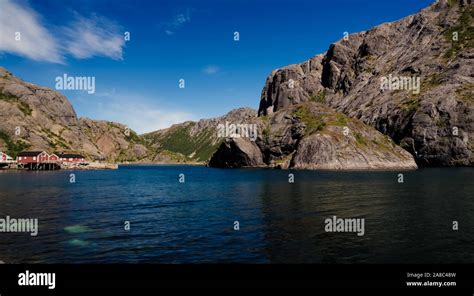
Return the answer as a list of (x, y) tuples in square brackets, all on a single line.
[(90, 166)]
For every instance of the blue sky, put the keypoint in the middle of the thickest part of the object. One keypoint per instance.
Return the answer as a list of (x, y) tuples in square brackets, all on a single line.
[(137, 81)]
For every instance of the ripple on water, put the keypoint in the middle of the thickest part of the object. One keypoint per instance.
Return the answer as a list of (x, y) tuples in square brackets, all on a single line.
[(78, 242), (77, 229)]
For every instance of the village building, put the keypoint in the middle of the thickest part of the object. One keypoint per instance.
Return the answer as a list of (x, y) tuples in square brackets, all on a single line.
[(53, 158), (37, 160), (32, 157), (71, 158), (5, 158)]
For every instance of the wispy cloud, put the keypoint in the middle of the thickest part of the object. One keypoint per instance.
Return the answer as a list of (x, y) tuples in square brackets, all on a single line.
[(94, 36), (22, 32), (178, 21), (141, 113), (210, 69), (144, 118)]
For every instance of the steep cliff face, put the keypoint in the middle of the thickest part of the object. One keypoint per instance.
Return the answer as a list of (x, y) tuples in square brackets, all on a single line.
[(312, 136), (38, 118), (433, 122)]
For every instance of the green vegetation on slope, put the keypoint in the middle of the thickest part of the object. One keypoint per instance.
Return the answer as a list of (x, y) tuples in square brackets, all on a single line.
[(198, 147), (465, 33), (466, 93), (55, 141), (361, 140), (13, 147), (338, 119), (313, 122), (320, 97), (134, 138), (411, 104), (24, 107)]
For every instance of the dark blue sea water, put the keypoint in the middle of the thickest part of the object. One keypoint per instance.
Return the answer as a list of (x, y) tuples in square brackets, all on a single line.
[(193, 222)]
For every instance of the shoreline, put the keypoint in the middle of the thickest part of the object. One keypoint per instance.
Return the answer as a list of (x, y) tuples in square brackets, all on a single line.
[(64, 166), (162, 163), (105, 166), (115, 166)]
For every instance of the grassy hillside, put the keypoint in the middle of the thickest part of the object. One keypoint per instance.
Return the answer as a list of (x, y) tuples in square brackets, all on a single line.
[(179, 139)]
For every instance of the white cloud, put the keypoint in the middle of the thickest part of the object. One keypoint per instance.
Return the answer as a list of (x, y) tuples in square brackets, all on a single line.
[(35, 43), (95, 36), (144, 118), (82, 38), (178, 21), (181, 18), (141, 113), (211, 69)]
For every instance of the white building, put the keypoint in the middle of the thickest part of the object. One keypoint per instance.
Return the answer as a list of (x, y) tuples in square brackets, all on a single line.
[(5, 158)]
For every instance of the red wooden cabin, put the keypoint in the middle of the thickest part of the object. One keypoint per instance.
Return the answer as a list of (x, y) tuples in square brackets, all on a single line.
[(32, 157), (72, 158), (53, 158)]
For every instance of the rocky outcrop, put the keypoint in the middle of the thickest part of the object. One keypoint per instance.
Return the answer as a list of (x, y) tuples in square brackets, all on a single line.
[(237, 153), (312, 136), (435, 123), (196, 141), (89, 166)]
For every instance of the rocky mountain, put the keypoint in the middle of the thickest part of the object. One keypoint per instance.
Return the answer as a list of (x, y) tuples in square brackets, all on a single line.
[(38, 118), (116, 141), (196, 141), (372, 76)]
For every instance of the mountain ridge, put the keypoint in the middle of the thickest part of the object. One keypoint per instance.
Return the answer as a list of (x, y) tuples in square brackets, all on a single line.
[(436, 125)]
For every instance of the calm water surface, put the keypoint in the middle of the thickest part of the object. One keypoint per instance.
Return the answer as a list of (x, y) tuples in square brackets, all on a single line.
[(171, 222)]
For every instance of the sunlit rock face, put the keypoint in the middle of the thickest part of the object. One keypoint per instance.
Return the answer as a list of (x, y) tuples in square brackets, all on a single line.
[(411, 80)]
